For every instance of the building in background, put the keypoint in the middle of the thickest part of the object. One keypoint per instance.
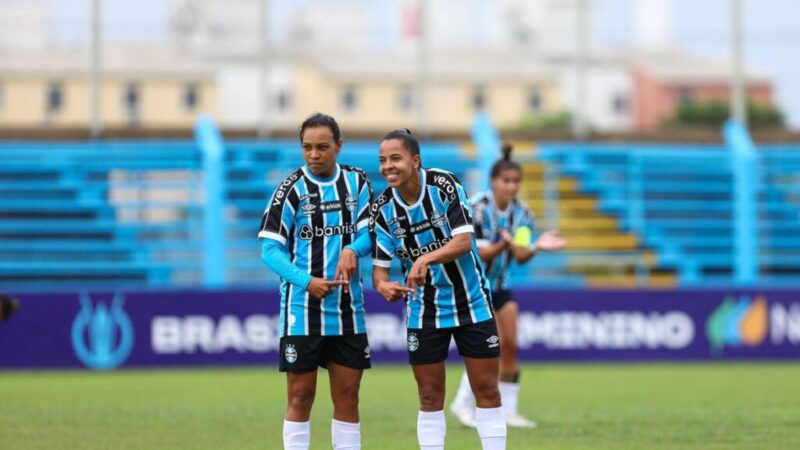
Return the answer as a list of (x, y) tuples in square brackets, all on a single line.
[(663, 81), (144, 87), (357, 59)]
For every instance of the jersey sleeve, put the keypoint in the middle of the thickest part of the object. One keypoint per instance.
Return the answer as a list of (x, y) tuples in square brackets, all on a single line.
[(525, 217), (481, 224), (459, 215), (278, 218), (383, 244), (364, 203)]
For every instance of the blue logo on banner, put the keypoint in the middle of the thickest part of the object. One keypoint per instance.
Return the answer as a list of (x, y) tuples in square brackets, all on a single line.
[(102, 337)]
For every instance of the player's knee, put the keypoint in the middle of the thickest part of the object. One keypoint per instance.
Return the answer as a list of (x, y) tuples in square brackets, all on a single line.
[(301, 399), (431, 398), (346, 397), (486, 393)]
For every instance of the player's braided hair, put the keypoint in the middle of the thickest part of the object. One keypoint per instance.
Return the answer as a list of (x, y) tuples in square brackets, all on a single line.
[(505, 163)]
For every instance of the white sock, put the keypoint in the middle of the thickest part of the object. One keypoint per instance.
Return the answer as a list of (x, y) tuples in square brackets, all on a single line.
[(345, 435), (296, 435), (509, 395), (491, 424), (431, 429), (464, 397)]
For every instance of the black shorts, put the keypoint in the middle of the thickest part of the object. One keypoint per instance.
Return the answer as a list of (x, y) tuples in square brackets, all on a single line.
[(430, 345), (500, 297), (300, 354)]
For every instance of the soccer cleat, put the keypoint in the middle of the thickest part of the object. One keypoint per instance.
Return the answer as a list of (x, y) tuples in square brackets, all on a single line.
[(515, 420), (465, 415)]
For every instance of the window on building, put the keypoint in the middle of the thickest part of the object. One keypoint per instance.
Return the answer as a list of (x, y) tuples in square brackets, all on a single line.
[(282, 101), (131, 100), (349, 98), (191, 96), (55, 97), (620, 104), (405, 98), (535, 100), (479, 97)]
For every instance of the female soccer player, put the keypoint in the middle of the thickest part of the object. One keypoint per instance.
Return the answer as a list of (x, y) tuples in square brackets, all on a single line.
[(424, 219), (317, 216), (498, 217)]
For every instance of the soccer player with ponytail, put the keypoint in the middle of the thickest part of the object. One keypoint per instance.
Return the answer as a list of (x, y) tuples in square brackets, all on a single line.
[(503, 226)]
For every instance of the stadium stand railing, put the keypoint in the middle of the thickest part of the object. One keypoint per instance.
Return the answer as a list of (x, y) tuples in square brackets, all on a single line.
[(131, 213)]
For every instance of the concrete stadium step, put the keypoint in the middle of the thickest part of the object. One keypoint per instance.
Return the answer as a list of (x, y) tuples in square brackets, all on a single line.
[(607, 242), (629, 281)]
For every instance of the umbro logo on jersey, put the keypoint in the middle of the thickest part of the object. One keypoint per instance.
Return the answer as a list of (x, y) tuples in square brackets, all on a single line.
[(308, 209), (400, 232), (493, 341)]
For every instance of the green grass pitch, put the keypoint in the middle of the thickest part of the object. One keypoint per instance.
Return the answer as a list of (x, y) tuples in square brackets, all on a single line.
[(654, 406)]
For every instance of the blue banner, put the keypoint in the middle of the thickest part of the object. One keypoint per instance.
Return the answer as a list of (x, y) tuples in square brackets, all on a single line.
[(109, 330)]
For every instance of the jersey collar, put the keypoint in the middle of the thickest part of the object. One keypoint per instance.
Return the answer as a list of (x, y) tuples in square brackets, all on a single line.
[(321, 181), (422, 175)]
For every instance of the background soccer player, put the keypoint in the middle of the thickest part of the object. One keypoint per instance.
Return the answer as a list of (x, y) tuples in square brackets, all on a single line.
[(424, 219), (317, 216), (498, 217)]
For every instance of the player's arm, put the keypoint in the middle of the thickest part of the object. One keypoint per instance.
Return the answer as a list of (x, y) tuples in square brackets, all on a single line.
[(276, 224), (276, 257), (383, 246), (490, 251), (523, 249)]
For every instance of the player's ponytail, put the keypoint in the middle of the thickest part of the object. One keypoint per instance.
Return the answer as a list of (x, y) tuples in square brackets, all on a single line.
[(505, 162), (407, 138)]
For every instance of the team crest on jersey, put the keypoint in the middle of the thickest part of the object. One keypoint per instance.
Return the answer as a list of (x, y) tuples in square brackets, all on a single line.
[(290, 354), (437, 219), (350, 202), (413, 342)]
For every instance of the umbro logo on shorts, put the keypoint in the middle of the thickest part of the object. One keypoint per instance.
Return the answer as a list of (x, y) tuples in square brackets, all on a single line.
[(366, 352), (493, 341)]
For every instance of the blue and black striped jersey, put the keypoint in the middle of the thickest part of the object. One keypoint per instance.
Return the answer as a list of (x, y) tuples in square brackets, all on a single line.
[(315, 219), (489, 220), (455, 293)]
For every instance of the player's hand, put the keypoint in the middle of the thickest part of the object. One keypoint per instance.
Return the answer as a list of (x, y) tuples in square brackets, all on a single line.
[(392, 290), (320, 287), (551, 241), (507, 239), (346, 268), (417, 274)]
